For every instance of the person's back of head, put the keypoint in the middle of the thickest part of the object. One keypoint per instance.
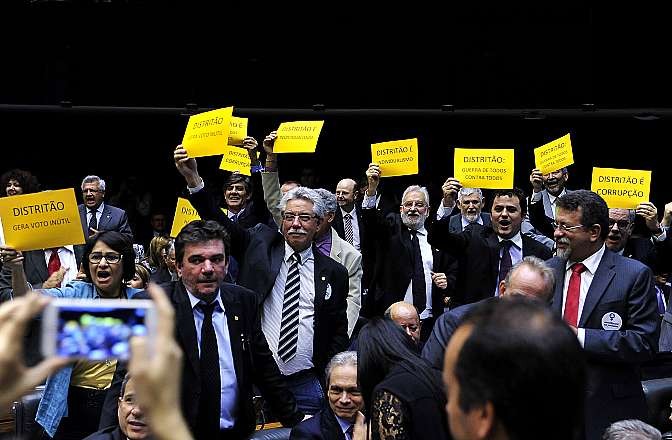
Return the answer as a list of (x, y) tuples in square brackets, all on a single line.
[(514, 371), (631, 430)]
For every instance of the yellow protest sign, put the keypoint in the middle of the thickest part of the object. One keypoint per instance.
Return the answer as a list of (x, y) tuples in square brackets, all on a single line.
[(41, 220), (298, 137), (207, 133), (184, 214), (621, 188), (237, 130), (554, 155), (484, 167), (236, 159), (396, 158)]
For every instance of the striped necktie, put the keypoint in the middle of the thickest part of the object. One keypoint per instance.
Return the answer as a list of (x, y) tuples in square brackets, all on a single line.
[(289, 326), (347, 226)]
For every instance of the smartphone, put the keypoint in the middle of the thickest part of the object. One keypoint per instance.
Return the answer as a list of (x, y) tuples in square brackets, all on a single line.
[(95, 329)]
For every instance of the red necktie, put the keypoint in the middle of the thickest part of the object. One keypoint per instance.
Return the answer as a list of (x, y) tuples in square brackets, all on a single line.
[(54, 263), (571, 314)]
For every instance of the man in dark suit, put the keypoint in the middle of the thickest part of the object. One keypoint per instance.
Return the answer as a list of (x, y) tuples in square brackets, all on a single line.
[(546, 188), (466, 210), (345, 399), (530, 277), (98, 216), (346, 190), (302, 292), (486, 254), (610, 302), (406, 268), (219, 405)]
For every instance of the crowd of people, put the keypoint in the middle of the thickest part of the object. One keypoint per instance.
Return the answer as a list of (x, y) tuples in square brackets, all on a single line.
[(353, 316)]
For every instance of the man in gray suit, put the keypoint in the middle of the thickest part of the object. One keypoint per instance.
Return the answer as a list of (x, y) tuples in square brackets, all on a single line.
[(466, 211), (98, 216)]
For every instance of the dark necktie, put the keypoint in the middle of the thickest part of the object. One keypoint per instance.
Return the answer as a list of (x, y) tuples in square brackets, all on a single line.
[(418, 281), (210, 403), (234, 218), (54, 263), (350, 431), (571, 314), (289, 326), (505, 260), (93, 223)]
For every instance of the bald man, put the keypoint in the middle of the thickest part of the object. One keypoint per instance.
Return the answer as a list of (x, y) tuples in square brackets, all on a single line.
[(406, 315), (348, 220), (530, 277)]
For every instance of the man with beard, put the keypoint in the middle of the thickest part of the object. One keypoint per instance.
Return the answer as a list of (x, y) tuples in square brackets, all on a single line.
[(466, 211), (406, 267), (610, 303), (487, 253), (546, 188)]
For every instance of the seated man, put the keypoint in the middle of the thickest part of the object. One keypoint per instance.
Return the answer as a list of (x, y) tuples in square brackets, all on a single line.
[(345, 400), (132, 424)]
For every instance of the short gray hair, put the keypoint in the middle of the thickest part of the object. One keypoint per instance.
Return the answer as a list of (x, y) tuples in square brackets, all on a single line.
[(631, 430), (340, 360), (469, 191), (416, 188), (328, 198), (94, 179), (537, 265), (304, 193)]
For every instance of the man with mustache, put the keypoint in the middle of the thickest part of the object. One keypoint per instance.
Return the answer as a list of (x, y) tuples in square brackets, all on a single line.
[(609, 301), (487, 253), (302, 292), (546, 188), (466, 211), (406, 267), (98, 216)]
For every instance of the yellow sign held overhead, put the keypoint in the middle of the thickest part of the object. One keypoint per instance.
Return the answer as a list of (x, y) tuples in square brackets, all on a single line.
[(298, 137), (184, 214), (207, 133), (236, 159), (621, 188), (484, 167), (554, 155), (41, 220), (237, 130), (396, 158)]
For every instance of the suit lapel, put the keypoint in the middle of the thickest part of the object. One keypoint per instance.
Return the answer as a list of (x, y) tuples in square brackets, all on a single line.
[(233, 311), (603, 275), (336, 248), (558, 266), (493, 246), (277, 255), (406, 242), (547, 204), (186, 328), (105, 218), (36, 261), (321, 279), (85, 224)]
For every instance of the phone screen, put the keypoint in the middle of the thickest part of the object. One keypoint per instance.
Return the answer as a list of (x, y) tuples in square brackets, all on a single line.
[(98, 333)]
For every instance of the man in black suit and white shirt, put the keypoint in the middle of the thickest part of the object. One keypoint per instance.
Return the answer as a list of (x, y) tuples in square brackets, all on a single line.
[(546, 188), (98, 216), (301, 291), (466, 211)]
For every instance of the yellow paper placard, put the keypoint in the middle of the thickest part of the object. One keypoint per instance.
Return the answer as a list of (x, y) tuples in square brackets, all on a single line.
[(184, 214), (236, 159), (484, 167), (396, 158), (237, 130), (621, 188), (298, 137), (41, 220), (207, 133), (554, 155)]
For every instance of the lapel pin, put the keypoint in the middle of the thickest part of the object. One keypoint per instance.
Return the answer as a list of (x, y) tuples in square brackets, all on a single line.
[(324, 278), (235, 318)]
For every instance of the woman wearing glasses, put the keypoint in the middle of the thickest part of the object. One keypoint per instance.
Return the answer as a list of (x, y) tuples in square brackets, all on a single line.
[(74, 396)]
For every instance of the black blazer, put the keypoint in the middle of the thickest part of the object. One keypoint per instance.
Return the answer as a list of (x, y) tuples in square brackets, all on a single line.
[(477, 249), (390, 244), (367, 259), (260, 251), (253, 361), (112, 219), (322, 426)]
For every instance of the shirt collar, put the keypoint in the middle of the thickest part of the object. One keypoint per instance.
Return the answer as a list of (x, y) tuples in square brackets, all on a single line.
[(99, 209), (67, 247), (516, 239), (194, 301), (343, 211), (552, 198), (591, 262), (421, 231), (345, 425), (466, 222), (306, 254)]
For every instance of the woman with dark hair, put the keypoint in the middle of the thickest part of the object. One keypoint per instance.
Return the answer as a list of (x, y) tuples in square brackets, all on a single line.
[(16, 182), (73, 397), (141, 277), (403, 394)]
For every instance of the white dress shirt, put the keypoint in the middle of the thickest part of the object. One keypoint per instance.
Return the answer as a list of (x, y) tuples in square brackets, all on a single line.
[(67, 256), (427, 266)]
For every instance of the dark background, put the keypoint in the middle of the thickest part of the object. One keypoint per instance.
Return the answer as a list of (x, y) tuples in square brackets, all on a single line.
[(106, 88)]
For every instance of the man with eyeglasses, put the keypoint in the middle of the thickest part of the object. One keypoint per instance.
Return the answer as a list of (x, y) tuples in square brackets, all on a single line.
[(98, 216), (487, 253), (609, 301), (345, 400), (302, 292), (406, 267)]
